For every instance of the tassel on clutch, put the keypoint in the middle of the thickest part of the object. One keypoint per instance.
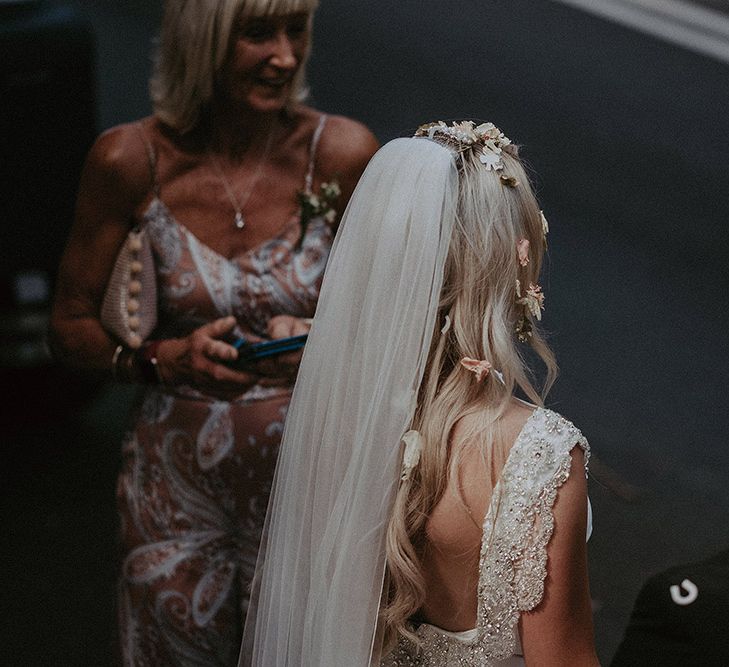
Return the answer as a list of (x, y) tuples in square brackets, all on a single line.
[(129, 308)]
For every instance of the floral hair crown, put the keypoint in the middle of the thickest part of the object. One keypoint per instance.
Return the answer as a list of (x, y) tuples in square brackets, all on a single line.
[(465, 135)]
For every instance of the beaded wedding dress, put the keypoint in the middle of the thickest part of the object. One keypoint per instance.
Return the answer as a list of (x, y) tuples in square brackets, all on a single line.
[(513, 562)]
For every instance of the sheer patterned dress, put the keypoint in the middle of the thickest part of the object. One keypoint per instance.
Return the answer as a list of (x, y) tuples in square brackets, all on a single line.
[(513, 561), (196, 471)]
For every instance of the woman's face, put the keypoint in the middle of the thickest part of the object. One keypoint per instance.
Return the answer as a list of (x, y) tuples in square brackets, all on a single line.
[(266, 53)]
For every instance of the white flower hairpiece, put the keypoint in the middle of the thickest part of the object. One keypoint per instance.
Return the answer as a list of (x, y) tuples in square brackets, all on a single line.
[(466, 135), (413, 442), (545, 228), (545, 224)]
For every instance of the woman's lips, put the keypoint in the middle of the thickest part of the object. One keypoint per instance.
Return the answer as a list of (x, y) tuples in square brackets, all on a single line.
[(273, 83)]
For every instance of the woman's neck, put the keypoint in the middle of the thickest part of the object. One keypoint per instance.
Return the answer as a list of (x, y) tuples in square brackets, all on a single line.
[(234, 133)]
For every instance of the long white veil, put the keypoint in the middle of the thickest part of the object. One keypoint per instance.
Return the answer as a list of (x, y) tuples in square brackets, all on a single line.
[(321, 565)]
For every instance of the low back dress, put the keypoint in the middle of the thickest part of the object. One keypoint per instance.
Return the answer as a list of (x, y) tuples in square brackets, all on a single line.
[(513, 560), (197, 471)]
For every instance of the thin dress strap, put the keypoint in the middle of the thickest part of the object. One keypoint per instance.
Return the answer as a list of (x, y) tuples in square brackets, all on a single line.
[(151, 158), (312, 153)]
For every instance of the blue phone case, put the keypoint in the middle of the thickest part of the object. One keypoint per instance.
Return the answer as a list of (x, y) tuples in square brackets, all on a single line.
[(250, 352)]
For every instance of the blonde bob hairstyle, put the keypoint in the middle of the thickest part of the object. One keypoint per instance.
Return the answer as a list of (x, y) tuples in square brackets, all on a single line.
[(194, 44), (479, 297)]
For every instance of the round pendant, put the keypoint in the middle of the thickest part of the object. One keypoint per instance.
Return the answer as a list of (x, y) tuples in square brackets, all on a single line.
[(239, 221)]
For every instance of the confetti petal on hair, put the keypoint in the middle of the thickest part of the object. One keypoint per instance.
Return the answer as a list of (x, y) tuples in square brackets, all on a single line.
[(491, 160), (411, 456), (480, 367), (533, 300), (446, 325), (522, 248), (545, 224)]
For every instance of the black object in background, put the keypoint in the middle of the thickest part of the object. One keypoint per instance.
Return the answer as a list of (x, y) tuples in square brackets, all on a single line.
[(680, 618), (47, 125)]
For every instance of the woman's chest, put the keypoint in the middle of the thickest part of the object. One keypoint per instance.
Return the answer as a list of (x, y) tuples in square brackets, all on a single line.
[(233, 217), (196, 282)]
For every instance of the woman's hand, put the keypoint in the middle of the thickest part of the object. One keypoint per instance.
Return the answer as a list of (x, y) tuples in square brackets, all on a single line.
[(200, 361)]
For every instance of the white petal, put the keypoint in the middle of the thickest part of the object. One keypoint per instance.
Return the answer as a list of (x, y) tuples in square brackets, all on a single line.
[(413, 446)]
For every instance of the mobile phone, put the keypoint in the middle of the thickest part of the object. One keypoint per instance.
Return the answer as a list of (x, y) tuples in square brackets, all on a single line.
[(251, 352)]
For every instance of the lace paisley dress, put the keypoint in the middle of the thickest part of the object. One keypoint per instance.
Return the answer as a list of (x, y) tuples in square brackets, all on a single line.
[(513, 561), (197, 471)]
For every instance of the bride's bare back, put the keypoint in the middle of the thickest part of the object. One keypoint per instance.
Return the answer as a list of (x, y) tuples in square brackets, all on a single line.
[(559, 630), (453, 532)]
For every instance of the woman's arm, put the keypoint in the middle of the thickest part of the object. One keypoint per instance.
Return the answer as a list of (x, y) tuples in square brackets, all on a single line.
[(559, 631), (114, 186)]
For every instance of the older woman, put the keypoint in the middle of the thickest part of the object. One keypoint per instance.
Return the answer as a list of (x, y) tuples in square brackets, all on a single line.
[(239, 187)]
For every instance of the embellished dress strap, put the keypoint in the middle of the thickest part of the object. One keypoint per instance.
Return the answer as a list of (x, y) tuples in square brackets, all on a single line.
[(518, 527), (151, 158), (513, 561), (309, 180)]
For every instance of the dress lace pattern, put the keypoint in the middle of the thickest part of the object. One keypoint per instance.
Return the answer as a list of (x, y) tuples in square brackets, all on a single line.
[(197, 471), (513, 562)]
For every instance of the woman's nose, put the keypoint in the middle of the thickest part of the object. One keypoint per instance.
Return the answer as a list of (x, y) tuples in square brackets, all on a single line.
[(283, 55)]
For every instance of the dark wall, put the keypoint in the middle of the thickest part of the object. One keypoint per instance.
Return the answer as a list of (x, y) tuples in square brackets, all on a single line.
[(629, 142)]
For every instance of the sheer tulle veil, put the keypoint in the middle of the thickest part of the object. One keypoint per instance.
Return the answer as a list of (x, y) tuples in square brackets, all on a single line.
[(321, 565)]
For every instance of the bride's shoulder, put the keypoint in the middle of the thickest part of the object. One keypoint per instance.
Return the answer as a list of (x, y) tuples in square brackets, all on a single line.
[(548, 446)]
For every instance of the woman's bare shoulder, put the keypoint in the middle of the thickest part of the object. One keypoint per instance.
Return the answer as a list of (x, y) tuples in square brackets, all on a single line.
[(346, 146), (119, 159)]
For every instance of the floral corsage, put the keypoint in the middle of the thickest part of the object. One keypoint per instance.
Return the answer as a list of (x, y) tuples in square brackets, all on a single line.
[(318, 205)]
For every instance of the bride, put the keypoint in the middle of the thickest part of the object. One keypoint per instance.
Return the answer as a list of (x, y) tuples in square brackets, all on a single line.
[(422, 514)]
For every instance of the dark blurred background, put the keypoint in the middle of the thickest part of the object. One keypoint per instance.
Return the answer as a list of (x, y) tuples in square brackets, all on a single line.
[(628, 137)]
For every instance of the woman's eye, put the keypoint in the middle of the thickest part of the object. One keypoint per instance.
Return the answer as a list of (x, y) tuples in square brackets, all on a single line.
[(257, 32), (295, 30)]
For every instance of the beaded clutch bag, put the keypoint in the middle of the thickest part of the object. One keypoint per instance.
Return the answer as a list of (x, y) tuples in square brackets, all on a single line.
[(129, 308)]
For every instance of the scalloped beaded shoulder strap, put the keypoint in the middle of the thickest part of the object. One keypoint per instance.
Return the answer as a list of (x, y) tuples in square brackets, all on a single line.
[(518, 527)]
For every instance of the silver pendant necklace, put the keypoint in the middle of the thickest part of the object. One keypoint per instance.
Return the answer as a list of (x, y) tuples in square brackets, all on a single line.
[(239, 202)]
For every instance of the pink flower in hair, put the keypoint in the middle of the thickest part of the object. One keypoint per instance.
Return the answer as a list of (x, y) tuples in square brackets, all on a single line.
[(480, 367), (522, 248)]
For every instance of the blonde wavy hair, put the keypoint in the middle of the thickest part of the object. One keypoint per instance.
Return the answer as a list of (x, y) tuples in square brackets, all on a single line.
[(193, 47), (479, 297)]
